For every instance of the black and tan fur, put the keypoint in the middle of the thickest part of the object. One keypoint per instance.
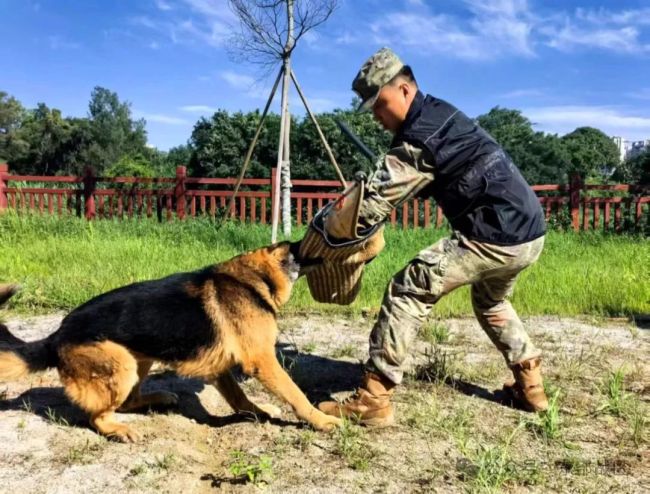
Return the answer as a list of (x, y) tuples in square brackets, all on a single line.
[(200, 323)]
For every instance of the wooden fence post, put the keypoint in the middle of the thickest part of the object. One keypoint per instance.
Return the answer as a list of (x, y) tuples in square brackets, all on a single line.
[(575, 188), (274, 193), (89, 181), (4, 170), (179, 191)]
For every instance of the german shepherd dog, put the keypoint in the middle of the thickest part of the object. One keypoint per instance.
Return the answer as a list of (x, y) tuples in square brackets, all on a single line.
[(200, 323)]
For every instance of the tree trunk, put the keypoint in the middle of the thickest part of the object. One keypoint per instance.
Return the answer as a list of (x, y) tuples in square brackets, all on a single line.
[(279, 186), (286, 162)]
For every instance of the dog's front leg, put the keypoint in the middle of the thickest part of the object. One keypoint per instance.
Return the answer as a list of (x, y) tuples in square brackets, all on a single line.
[(270, 373), (234, 395)]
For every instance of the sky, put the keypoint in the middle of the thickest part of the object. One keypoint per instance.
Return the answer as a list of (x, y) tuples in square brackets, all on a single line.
[(564, 64)]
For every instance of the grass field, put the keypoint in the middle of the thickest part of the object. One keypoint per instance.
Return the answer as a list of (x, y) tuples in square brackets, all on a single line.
[(63, 262)]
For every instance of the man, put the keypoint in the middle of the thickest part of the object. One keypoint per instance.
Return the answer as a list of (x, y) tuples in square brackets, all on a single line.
[(498, 227)]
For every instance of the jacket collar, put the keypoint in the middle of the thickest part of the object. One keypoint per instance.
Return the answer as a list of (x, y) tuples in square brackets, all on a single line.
[(412, 114)]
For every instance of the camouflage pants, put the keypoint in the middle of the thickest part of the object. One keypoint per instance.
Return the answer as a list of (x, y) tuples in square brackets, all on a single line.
[(450, 263)]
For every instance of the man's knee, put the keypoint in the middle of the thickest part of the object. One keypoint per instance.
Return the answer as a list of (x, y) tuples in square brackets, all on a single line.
[(423, 279)]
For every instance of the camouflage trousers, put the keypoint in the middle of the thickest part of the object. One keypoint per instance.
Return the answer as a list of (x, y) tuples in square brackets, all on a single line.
[(491, 270)]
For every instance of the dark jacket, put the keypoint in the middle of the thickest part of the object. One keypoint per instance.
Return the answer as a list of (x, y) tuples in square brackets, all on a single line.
[(480, 190)]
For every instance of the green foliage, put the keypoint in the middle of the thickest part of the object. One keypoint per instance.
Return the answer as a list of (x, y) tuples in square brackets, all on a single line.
[(131, 166), (220, 144), (12, 115), (592, 153), (634, 170), (42, 141)]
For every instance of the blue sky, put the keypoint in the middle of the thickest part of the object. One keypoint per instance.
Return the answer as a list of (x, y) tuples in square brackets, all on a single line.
[(563, 63)]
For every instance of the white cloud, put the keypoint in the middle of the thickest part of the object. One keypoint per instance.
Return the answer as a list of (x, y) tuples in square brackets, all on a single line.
[(489, 29), (162, 5), (200, 22), (605, 16), (523, 93), (495, 28), (200, 109), (244, 83), (569, 37), (237, 80), (611, 120), (161, 118)]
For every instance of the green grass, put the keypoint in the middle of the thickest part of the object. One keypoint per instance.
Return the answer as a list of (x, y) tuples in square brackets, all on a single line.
[(63, 262)]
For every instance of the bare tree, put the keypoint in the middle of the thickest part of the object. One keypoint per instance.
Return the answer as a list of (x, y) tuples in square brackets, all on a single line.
[(268, 34), (270, 29)]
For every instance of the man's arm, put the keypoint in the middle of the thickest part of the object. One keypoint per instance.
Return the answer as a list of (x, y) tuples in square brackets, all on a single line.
[(399, 175)]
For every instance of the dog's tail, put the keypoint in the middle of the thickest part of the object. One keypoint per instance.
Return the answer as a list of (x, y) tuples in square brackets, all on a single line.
[(7, 291), (19, 358)]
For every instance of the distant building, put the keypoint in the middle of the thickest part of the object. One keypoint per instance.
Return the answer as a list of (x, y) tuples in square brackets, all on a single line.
[(636, 148), (630, 149), (621, 144)]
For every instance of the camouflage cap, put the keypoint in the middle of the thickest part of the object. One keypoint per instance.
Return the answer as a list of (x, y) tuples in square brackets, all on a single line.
[(378, 70)]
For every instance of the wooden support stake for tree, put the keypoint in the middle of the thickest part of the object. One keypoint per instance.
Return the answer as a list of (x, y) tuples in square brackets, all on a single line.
[(249, 153), (320, 132)]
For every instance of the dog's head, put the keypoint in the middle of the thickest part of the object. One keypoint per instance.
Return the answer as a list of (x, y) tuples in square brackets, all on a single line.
[(288, 255), (273, 270)]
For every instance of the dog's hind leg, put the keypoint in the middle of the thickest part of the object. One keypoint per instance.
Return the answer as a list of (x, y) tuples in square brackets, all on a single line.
[(268, 370), (234, 395), (137, 400), (99, 377)]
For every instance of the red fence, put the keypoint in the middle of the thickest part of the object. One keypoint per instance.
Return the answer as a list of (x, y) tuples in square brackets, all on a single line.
[(583, 207)]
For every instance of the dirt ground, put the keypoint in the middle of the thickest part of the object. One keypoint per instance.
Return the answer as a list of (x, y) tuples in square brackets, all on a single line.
[(453, 432)]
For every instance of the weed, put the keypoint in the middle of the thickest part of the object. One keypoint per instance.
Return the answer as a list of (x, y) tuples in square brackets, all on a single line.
[(488, 468), (547, 424), (435, 333), (56, 419), (351, 445), (250, 468), (86, 453), (613, 390), (438, 367)]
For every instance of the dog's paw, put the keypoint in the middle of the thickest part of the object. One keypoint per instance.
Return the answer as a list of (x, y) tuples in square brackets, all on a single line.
[(125, 434), (271, 410), (326, 423)]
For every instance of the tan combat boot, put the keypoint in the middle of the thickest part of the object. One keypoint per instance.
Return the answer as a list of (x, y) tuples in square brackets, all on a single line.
[(6, 292), (528, 389), (370, 404)]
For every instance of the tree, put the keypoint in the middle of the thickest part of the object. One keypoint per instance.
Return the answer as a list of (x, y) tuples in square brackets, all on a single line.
[(267, 36), (114, 132), (592, 153), (131, 166), (45, 132), (635, 170), (12, 115), (220, 144)]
